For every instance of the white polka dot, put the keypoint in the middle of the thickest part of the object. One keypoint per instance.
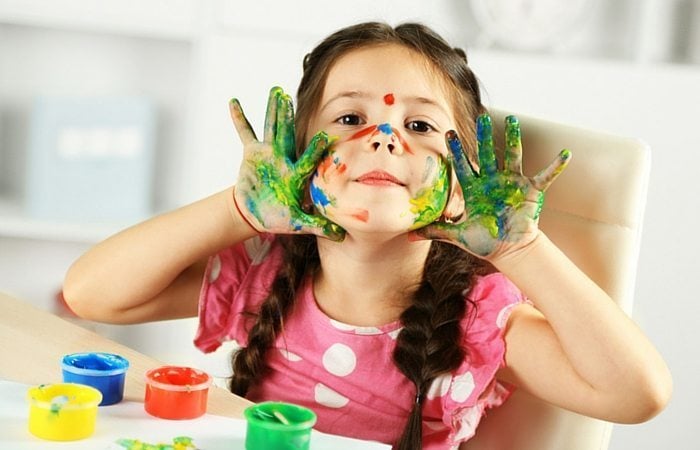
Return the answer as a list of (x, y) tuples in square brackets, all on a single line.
[(339, 360), (328, 397), (257, 249), (435, 424), (214, 269), (289, 355), (439, 386), (462, 387), (504, 314)]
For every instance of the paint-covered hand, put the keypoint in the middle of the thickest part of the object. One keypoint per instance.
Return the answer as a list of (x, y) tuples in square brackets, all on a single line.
[(270, 187), (502, 206)]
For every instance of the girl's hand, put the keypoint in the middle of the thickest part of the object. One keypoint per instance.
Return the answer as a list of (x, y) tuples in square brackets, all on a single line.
[(271, 182), (502, 207)]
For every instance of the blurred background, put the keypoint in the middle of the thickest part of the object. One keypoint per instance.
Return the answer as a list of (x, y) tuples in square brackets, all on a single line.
[(112, 111)]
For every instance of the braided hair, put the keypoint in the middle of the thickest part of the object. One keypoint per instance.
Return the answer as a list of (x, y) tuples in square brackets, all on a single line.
[(429, 342)]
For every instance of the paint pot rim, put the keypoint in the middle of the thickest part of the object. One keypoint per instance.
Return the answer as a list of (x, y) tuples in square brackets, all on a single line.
[(151, 380), (67, 364), (95, 396), (249, 414)]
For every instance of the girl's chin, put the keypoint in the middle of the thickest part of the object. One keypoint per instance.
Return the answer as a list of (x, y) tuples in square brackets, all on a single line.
[(361, 222)]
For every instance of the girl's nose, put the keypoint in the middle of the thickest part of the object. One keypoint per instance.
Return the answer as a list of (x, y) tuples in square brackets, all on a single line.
[(384, 137)]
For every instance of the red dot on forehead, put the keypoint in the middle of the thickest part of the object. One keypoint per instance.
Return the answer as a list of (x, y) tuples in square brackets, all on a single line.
[(389, 99)]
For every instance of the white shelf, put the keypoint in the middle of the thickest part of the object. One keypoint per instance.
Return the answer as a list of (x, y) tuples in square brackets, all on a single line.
[(14, 223)]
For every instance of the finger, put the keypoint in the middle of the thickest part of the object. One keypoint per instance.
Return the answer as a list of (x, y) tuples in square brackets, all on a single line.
[(546, 176), (484, 140), (312, 155), (514, 149), (459, 160), (284, 137), (271, 115), (243, 128)]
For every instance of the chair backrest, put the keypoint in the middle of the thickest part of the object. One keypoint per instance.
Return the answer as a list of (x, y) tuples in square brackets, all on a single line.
[(594, 213)]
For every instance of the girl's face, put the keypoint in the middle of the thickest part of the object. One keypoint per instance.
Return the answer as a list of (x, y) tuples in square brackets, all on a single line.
[(386, 171)]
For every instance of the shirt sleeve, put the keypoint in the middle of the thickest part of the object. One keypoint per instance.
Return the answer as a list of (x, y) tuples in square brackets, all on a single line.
[(236, 281), (473, 387)]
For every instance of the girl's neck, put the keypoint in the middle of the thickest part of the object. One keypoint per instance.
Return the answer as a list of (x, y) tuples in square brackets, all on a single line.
[(368, 282)]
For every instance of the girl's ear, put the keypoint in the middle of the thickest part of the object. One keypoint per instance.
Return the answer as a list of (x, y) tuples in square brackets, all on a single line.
[(454, 209)]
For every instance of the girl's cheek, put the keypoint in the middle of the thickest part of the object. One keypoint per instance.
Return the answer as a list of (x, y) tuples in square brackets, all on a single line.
[(429, 202)]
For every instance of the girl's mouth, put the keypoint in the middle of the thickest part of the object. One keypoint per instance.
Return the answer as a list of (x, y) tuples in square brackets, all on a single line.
[(379, 178)]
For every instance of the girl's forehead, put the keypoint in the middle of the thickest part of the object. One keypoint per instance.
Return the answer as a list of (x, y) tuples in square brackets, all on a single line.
[(384, 69)]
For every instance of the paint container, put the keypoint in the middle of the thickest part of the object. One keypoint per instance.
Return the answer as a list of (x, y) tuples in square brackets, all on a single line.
[(105, 372), (278, 425), (63, 411), (174, 392)]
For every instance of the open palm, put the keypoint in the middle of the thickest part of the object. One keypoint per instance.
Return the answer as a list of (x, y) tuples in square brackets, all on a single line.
[(270, 187), (502, 206)]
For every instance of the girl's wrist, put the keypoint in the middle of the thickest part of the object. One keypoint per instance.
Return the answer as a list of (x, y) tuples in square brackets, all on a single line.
[(514, 258), (239, 220)]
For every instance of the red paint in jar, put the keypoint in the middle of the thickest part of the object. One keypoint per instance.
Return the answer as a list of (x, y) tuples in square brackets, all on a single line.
[(174, 392)]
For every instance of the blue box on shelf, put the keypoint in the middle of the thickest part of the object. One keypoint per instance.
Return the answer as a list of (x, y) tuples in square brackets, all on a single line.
[(91, 159)]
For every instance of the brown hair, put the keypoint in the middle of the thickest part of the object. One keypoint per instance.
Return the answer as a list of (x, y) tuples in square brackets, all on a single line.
[(429, 343)]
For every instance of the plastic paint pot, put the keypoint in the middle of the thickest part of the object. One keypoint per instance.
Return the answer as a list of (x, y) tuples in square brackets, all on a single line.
[(278, 425), (63, 411), (105, 372), (174, 392)]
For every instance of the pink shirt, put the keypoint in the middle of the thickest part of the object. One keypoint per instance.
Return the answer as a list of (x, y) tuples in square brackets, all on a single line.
[(345, 373)]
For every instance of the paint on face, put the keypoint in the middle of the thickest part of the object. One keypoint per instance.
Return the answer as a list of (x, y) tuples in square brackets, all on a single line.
[(385, 128), (389, 99), (361, 214), (430, 201)]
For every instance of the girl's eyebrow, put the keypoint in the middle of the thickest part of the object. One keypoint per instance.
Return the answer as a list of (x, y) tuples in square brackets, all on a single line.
[(344, 94), (428, 101)]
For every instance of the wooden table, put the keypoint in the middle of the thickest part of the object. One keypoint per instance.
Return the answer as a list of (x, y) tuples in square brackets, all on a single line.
[(33, 341)]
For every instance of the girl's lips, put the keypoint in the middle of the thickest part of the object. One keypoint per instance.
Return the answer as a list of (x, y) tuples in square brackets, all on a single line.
[(379, 178)]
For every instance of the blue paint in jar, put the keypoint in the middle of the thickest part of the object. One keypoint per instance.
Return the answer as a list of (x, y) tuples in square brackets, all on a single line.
[(103, 371)]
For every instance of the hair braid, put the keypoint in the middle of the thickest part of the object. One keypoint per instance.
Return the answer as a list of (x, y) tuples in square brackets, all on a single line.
[(300, 259), (428, 345)]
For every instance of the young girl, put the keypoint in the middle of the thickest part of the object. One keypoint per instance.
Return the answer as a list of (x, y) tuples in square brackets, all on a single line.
[(385, 272)]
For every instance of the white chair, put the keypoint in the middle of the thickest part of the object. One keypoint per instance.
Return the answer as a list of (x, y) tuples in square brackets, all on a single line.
[(593, 212)]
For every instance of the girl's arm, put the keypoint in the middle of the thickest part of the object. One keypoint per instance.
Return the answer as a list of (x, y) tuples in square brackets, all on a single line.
[(153, 270), (578, 350)]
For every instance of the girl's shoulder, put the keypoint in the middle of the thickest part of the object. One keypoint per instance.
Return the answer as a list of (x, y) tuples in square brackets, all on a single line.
[(490, 301), (236, 281)]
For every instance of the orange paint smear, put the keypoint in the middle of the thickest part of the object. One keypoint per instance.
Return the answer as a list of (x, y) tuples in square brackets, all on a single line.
[(402, 141), (363, 132), (362, 215)]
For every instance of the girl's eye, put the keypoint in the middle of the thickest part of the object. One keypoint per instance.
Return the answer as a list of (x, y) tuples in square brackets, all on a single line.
[(419, 126), (350, 120)]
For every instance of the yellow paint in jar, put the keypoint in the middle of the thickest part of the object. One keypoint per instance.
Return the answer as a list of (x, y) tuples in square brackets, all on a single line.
[(63, 411)]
